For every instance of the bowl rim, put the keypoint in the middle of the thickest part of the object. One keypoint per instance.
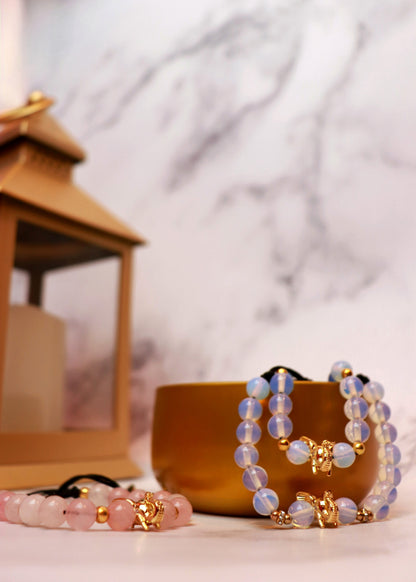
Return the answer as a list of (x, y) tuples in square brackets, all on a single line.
[(230, 383)]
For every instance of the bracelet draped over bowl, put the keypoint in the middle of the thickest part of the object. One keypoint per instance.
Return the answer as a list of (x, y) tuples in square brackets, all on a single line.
[(363, 397)]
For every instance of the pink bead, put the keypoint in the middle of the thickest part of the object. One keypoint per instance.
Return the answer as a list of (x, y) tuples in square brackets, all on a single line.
[(12, 507), (29, 509), (184, 509), (118, 493), (81, 514), (169, 515), (4, 497), (137, 494), (52, 511), (161, 495), (121, 515)]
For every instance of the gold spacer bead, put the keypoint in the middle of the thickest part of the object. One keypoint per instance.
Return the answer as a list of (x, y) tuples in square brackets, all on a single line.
[(83, 492), (102, 514), (359, 448), (281, 371), (283, 444), (346, 372), (281, 518), (364, 515)]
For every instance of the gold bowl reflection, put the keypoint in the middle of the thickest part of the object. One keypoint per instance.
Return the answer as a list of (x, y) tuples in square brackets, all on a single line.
[(194, 442)]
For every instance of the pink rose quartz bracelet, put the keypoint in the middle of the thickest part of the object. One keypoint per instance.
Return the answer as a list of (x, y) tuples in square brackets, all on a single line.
[(120, 508)]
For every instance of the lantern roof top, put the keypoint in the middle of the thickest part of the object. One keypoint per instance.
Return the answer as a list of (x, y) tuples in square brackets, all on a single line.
[(32, 121), (52, 191)]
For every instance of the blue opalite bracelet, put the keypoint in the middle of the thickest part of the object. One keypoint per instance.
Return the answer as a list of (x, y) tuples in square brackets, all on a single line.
[(361, 400)]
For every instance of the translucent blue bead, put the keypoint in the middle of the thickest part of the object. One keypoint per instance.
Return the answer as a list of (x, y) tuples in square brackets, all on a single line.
[(385, 433), (377, 505), (389, 454), (279, 426), (373, 391), (246, 455), (383, 512), (281, 383), (390, 473), (302, 513), (347, 510), (298, 452), (343, 455), (357, 431), (258, 388), (265, 501), (249, 432), (254, 478), (392, 496), (386, 490), (335, 374), (379, 412), (373, 502), (250, 409), (280, 404), (356, 407), (351, 386)]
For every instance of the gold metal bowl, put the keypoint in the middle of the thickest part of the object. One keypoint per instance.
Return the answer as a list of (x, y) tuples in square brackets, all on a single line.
[(194, 442)]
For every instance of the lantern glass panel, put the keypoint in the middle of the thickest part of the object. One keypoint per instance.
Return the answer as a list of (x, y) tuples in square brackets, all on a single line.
[(19, 287), (61, 339)]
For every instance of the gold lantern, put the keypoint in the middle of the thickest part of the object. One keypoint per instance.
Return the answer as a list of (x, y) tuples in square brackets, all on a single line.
[(65, 277)]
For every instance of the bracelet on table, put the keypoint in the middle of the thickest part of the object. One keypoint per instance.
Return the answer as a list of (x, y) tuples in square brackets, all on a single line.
[(103, 501), (362, 397)]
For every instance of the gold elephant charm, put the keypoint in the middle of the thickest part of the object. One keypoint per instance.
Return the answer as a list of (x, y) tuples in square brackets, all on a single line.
[(321, 455), (325, 508), (149, 512)]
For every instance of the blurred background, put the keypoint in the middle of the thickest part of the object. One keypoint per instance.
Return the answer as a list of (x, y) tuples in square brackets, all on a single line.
[(266, 150)]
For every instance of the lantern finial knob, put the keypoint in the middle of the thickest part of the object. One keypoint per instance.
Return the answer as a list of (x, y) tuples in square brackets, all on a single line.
[(35, 97)]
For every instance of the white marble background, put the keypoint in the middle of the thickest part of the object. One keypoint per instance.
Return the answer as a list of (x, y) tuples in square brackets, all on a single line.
[(267, 151)]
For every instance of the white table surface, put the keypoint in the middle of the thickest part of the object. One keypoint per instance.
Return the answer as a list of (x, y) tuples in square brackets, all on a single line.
[(217, 548)]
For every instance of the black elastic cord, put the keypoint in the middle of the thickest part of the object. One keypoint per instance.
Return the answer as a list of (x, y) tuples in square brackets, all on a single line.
[(90, 477), (269, 375), (65, 490)]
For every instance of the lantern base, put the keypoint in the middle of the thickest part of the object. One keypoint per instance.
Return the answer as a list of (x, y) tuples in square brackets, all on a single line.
[(24, 476)]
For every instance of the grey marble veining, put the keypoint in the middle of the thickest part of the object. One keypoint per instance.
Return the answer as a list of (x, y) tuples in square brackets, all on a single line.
[(266, 149)]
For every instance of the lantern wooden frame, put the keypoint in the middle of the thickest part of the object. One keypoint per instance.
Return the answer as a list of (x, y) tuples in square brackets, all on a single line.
[(30, 192)]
